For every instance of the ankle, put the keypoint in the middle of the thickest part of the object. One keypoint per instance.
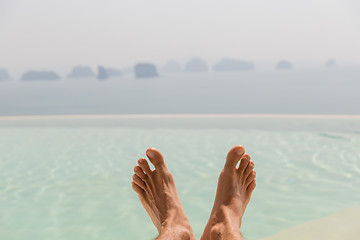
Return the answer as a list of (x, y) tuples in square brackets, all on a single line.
[(177, 225), (222, 231), (223, 224), (177, 232), (184, 234), (216, 231)]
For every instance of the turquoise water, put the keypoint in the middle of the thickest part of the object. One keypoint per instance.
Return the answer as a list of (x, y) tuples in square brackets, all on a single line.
[(70, 179)]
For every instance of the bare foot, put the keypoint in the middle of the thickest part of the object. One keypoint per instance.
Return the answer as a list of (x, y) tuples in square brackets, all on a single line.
[(234, 190), (157, 192)]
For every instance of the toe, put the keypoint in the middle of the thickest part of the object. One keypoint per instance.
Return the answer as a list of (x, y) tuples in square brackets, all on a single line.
[(139, 172), (247, 171), (250, 178), (139, 181), (155, 157), (251, 187), (137, 189), (234, 156), (144, 165), (244, 163)]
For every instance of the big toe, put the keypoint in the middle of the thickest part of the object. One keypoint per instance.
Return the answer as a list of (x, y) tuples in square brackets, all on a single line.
[(234, 156), (155, 157)]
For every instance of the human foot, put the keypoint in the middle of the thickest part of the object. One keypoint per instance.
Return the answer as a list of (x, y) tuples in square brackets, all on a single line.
[(158, 195), (235, 186)]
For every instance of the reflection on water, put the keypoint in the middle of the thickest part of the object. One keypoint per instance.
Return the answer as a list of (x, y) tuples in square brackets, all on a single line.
[(63, 181)]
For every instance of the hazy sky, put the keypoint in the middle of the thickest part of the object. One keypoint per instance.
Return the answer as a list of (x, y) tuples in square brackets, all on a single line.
[(48, 34)]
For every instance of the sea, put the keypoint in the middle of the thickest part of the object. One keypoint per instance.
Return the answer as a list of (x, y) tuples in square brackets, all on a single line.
[(67, 151), (314, 91)]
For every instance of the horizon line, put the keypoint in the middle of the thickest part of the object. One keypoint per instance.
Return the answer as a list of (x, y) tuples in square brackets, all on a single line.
[(186, 115)]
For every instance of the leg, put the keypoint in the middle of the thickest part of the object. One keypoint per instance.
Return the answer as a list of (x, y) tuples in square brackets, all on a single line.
[(158, 195), (234, 190)]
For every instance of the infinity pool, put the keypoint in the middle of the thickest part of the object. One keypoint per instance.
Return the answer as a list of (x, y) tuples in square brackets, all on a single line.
[(70, 178)]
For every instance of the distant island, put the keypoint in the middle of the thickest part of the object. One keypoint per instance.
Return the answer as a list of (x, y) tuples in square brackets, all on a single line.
[(102, 73), (4, 75), (81, 72), (284, 65), (233, 65), (171, 67), (39, 75), (330, 63), (196, 65), (145, 70), (105, 73)]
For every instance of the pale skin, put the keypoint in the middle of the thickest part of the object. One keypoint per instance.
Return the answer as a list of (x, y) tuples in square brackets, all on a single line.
[(158, 195)]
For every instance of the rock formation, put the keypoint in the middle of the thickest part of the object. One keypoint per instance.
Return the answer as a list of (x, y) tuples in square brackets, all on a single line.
[(4, 75), (102, 73), (145, 70), (284, 65), (233, 65), (196, 65), (39, 75), (81, 72), (330, 64)]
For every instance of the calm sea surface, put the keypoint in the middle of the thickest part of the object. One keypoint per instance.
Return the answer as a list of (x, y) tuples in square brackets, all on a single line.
[(70, 179), (322, 91)]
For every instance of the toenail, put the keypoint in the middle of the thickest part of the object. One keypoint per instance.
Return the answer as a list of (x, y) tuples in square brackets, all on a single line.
[(142, 161), (150, 154), (239, 151)]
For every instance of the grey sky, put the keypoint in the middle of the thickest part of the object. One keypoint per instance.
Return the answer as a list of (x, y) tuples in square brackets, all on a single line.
[(48, 34)]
